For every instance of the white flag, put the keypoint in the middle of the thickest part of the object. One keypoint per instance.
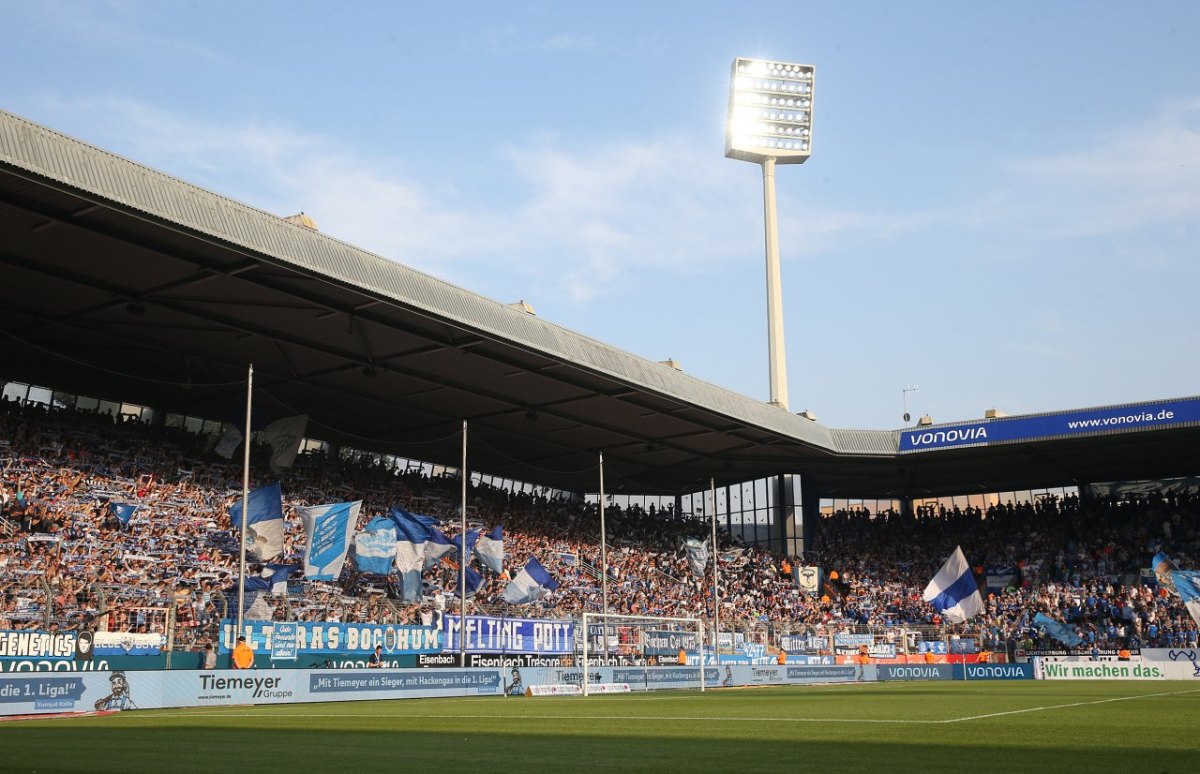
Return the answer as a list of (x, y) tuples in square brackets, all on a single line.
[(284, 436)]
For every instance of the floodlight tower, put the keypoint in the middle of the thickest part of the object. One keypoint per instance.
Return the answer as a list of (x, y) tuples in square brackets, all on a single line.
[(770, 122)]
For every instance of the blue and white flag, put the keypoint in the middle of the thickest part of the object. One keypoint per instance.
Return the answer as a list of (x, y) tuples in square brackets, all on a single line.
[(1162, 566), (411, 536), (273, 578), (1060, 631), (697, 554), (490, 550), (1187, 586), (123, 511), (531, 584), (264, 522), (472, 538), (329, 528), (474, 581), (427, 521), (954, 591), (437, 546), (375, 547)]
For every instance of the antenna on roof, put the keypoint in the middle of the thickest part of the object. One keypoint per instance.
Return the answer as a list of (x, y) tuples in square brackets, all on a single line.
[(906, 391)]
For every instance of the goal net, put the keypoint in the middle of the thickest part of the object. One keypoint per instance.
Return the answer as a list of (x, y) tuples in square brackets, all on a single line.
[(649, 648)]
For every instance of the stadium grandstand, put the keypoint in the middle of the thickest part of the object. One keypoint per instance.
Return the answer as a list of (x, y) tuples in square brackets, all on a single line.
[(137, 303)]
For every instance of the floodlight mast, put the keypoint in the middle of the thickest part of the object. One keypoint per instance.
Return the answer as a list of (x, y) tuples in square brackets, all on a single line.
[(770, 122)]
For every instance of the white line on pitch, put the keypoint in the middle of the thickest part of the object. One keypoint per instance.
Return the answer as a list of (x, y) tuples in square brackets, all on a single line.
[(447, 716), (1065, 706)]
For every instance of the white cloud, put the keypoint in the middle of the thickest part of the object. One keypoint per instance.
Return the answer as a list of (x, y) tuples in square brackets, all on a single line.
[(591, 220)]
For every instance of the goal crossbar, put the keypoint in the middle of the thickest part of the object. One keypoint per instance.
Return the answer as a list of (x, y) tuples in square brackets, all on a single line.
[(606, 618)]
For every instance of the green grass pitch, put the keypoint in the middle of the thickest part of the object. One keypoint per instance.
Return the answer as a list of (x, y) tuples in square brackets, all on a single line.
[(1142, 727)]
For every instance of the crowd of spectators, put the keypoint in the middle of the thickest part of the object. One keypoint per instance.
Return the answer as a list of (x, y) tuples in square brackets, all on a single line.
[(67, 561)]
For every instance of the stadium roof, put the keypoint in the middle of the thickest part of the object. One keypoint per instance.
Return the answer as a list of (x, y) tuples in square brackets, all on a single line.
[(125, 283)]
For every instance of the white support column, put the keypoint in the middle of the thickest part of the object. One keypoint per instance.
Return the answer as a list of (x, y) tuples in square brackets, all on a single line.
[(777, 355)]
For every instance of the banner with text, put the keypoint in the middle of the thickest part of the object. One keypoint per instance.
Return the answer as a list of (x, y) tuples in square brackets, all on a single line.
[(114, 691), (306, 638), (1142, 416), (1098, 670), (486, 634)]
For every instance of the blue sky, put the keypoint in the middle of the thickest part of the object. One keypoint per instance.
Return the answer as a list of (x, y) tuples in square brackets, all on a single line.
[(1001, 206)]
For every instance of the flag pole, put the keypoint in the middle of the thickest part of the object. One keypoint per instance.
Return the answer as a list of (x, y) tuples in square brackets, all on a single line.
[(712, 482), (462, 559), (245, 505), (603, 555)]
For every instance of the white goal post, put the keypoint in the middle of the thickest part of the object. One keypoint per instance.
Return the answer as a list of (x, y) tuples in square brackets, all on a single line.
[(640, 640)]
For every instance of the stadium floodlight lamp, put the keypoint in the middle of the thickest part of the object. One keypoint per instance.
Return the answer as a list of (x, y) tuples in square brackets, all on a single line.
[(770, 111), (770, 122)]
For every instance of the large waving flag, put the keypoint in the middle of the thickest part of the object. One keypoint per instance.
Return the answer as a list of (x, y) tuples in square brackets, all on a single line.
[(1062, 632), (1162, 566), (328, 528), (697, 554), (531, 584), (1187, 586), (427, 521), (375, 547), (264, 522), (284, 437), (954, 591), (472, 538), (273, 578), (474, 581), (490, 550), (411, 538), (437, 546)]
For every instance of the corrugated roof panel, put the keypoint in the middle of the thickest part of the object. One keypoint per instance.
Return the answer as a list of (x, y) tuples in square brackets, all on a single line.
[(52, 155), (866, 441)]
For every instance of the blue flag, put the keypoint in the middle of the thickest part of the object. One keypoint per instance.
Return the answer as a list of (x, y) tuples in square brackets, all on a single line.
[(329, 528), (1187, 586), (531, 584), (490, 550), (427, 521), (273, 579), (256, 583), (472, 538), (411, 537), (474, 581), (1058, 630), (437, 546), (123, 511), (375, 547), (264, 522)]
